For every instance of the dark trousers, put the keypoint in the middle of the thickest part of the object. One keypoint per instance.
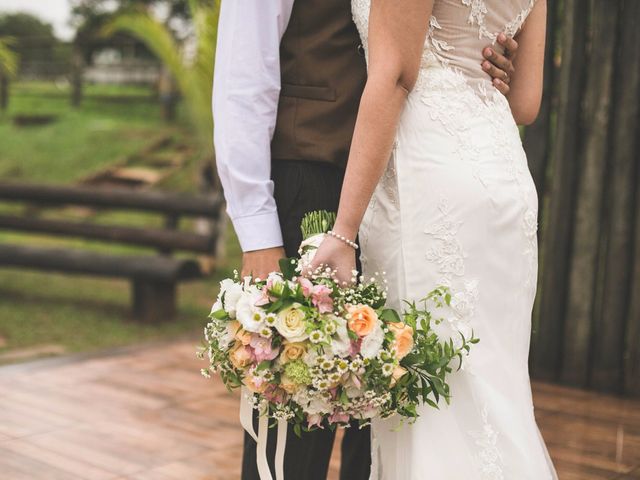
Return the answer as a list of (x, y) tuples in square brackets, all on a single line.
[(301, 187)]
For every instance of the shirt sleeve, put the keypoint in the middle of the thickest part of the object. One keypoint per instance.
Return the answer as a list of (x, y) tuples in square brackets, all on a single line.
[(245, 102)]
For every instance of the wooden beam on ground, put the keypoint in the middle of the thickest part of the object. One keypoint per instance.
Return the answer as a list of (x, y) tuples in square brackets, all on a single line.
[(113, 198), (157, 238), (154, 268)]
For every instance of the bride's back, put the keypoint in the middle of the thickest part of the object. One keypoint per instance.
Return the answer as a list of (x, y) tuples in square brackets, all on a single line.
[(460, 29)]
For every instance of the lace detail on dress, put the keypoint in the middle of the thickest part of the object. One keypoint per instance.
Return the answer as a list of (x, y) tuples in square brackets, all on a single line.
[(479, 11), (448, 253), (489, 456)]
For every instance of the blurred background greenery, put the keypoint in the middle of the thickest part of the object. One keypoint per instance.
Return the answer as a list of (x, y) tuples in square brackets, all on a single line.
[(129, 86)]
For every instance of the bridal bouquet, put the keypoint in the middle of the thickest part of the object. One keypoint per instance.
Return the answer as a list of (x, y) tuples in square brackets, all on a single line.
[(315, 353)]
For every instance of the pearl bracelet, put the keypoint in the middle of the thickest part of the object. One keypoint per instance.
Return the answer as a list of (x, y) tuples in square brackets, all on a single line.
[(353, 245)]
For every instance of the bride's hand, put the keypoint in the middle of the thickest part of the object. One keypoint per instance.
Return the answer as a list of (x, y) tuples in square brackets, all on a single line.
[(338, 256)]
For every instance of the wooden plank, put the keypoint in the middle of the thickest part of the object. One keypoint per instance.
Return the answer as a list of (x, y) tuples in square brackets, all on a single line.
[(169, 239), (556, 236), (113, 198), (611, 326), (141, 267), (70, 464), (584, 281)]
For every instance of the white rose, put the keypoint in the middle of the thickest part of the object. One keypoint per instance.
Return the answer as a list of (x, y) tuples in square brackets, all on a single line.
[(229, 334), (372, 343), (318, 405), (291, 325), (310, 357), (340, 343), (232, 292), (308, 249), (251, 317), (352, 390)]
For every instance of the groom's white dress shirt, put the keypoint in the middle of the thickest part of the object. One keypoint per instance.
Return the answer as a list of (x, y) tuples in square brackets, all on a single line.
[(245, 102)]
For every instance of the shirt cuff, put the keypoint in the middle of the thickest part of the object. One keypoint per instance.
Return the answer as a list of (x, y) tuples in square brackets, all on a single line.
[(257, 232)]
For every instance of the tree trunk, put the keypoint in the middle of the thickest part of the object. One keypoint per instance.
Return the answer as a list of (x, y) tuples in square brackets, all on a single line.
[(611, 325), (556, 237), (632, 351), (168, 95), (587, 218), (537, 137), (4, 92), (77, 64)]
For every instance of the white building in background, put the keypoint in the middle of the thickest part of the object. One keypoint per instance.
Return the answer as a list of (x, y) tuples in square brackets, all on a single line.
[(112, 67)]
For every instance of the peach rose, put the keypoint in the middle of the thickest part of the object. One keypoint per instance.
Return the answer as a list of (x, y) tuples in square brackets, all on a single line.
[(404, 338), (396, 375), (240, 356), (256, 386), (288, 385), (235, 329), (292, 351), (362, 319)]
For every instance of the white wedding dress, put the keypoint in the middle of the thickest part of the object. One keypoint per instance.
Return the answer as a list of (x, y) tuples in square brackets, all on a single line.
[(457, 206)]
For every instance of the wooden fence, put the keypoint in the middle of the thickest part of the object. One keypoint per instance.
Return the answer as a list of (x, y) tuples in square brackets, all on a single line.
[(583, 154)]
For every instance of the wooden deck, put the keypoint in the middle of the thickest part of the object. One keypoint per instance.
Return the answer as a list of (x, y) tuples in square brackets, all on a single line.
[(147, 414)]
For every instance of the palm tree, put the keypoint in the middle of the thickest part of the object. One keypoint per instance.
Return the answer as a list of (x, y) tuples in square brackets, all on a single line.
[(193, 74), (8, 69)]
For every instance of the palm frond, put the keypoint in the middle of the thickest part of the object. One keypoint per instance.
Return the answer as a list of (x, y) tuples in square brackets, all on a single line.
[(194, 77)]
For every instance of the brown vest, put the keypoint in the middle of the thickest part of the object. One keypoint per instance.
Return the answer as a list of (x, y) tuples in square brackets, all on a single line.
[(323, 75)]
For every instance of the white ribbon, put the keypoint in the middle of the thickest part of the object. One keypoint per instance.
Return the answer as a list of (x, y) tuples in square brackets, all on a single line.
[(246, 420)]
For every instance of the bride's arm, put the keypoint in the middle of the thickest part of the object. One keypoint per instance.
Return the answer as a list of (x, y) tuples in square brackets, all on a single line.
[(397, 32), (526, 82)]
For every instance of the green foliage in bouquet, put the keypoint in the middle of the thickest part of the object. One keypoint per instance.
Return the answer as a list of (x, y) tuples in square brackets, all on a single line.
[(315, 223)]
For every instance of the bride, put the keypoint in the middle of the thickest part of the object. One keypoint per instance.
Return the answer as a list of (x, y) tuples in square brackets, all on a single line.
[(438, 188)]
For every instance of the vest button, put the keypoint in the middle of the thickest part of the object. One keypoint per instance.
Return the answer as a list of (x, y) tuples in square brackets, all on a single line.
[(361, 50)]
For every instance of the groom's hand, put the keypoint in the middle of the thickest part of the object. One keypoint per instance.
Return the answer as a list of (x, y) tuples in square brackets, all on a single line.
[(500, 67), (260, 263)]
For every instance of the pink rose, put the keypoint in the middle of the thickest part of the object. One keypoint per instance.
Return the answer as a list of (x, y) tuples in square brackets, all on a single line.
[(314, 420), (320, 297), (355, 347), (275, 394), (264, 298), (307, 286), (339, 417), (263, 349)]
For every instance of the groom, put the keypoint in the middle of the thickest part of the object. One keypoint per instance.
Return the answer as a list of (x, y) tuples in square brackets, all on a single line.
[(288, 81)]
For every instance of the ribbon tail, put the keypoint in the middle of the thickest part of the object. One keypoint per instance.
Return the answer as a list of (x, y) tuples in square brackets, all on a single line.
[(246, 413), (261, 451), (280, 447)]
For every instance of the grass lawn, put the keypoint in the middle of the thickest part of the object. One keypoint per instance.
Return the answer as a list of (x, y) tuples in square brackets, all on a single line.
[(43, 313)]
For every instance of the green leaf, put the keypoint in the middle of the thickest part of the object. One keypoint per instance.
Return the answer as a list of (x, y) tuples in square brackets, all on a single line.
[(220, 314), (263, 365), (390, 316), (288, 267)]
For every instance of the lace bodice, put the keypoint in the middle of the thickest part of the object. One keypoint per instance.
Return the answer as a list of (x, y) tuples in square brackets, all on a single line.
[(459, 30)]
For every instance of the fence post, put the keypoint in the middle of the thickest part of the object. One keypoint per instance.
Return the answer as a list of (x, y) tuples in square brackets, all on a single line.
[(77, 64), (584, 288), (611, 326), (556, 234), (4, 91)]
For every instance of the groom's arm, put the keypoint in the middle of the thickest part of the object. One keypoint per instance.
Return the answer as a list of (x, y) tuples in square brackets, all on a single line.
[(245, 100)]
